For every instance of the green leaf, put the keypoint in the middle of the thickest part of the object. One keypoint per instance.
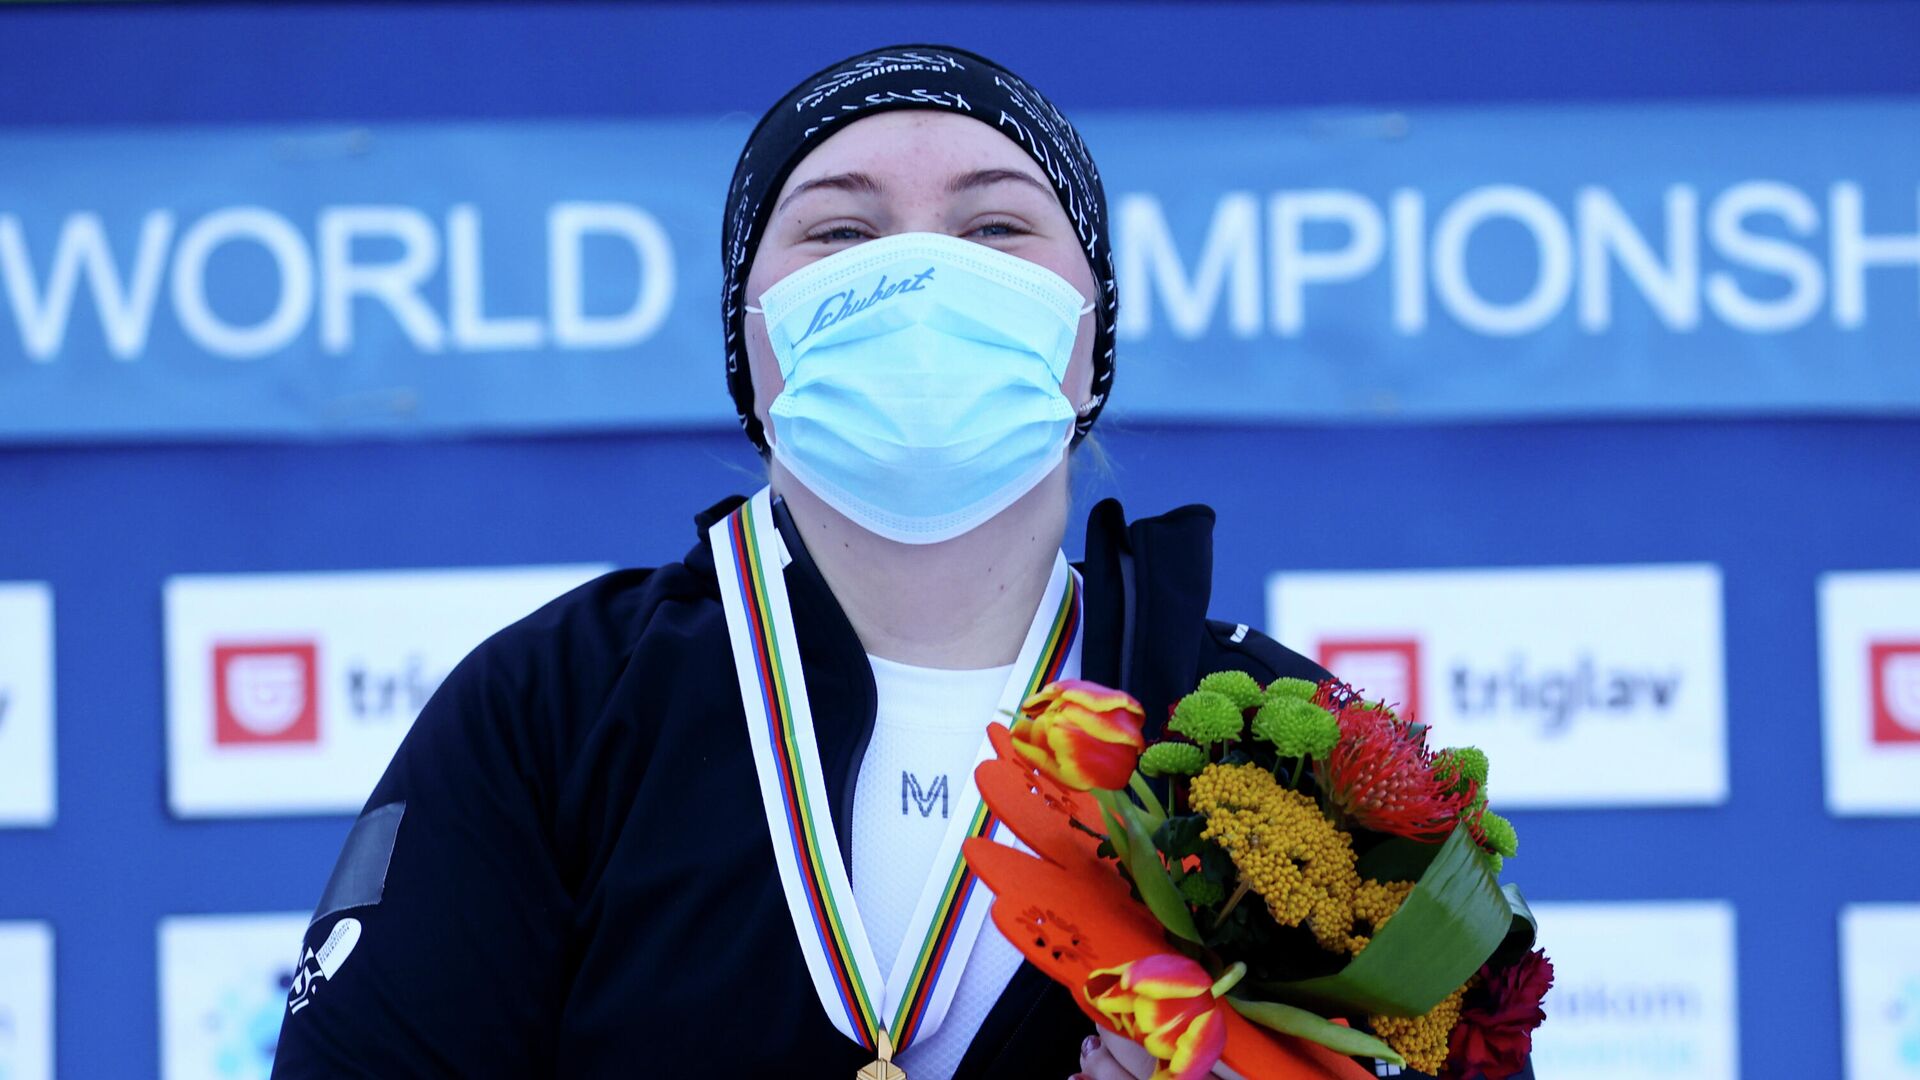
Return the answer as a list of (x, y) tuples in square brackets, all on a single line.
[(1523, 929), (1453, 920), (1157, 889), (1179, 837), (1313, 1027), (1397, 859), (1156, 813), (1116, 831)]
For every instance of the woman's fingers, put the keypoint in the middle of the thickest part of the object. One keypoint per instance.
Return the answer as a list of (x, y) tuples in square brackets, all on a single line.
[(1129, 1060), (1098, 1063), (1130, 1056)]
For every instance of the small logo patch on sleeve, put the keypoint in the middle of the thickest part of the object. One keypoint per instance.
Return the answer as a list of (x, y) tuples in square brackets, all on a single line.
[(320, 965)]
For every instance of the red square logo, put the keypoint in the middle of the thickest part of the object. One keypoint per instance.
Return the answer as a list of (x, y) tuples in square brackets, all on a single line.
[(1381, 669), (265, 693), (1893, 667)]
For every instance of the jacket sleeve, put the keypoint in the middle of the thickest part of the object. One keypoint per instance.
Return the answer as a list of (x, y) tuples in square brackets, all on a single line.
[(436, 949)]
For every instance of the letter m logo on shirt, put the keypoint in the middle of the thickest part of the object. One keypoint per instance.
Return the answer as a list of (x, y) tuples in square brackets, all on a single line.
[(924, 798)]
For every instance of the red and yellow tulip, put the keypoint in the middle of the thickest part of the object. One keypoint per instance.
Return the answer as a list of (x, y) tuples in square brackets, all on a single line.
[(1165, 1002), (1082, 734)]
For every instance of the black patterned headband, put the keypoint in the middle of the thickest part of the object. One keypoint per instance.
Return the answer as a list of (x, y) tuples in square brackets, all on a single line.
[(910, 77)]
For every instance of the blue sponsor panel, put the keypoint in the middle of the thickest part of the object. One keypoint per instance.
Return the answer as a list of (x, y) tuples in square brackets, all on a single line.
[(1435, 264)]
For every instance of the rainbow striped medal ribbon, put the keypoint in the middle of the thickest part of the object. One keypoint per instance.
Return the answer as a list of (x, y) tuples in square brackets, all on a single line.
[(883, 1014)]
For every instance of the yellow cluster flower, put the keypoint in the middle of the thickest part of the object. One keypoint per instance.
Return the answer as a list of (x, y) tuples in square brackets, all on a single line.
[(1422, 1040), (1374, 902), (1284, 848)]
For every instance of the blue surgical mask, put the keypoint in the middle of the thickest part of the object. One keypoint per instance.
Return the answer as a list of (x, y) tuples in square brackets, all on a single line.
[(922, 381)]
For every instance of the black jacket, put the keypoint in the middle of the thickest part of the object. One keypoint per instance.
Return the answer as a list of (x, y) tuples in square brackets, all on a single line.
[(580, 883)]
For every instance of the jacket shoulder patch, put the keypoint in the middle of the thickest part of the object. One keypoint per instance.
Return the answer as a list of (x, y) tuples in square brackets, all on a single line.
[(359, 879)]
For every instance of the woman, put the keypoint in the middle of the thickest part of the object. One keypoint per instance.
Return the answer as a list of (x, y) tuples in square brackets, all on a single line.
[(599, 852)]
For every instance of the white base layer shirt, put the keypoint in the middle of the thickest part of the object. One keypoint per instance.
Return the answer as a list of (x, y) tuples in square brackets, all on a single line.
[(927, 732)]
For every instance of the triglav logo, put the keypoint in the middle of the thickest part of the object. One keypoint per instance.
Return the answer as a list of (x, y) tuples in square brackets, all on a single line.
[(266, 693), (391, 692), (1382, 669), (827, 314), (1894, 671), (1554, 696), (1388, 669)]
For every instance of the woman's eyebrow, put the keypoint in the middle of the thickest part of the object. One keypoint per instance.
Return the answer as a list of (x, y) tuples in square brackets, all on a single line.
[(980, 178), (857, 183)]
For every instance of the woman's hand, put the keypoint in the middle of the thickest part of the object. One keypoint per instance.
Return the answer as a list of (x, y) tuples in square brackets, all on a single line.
[(1106, 1056)]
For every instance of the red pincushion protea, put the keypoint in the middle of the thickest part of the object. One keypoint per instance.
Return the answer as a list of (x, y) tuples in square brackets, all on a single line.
[(1380, 776), (1334, 695)]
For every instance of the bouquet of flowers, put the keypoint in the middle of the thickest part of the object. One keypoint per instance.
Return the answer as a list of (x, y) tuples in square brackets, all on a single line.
[(1289, 880)]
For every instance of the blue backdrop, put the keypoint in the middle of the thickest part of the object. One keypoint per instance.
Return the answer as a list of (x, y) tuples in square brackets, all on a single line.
[(1774, 502)]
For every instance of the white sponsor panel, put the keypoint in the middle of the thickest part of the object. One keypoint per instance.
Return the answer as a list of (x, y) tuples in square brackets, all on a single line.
[(26, 1001), (223, 991), (1870, 691), (26, 704), (1641, 991), (288, 693), (1557, 673), (1880, 988)]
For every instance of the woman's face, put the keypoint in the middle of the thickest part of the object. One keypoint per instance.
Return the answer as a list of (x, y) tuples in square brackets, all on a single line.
[(915, 171)]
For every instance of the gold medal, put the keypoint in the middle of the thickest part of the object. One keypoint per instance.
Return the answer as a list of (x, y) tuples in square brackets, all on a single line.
[(884, 1068)]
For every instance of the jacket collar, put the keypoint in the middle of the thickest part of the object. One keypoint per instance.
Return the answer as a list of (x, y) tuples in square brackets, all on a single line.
[(1147, 587)]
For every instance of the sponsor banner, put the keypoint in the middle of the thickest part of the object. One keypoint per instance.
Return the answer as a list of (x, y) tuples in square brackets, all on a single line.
[(1870, 691), (1880, 986), (288, 693), (26, 1001), (1548, 670), (1441, 263), (1640, 991), (26, 705), (224, 981)]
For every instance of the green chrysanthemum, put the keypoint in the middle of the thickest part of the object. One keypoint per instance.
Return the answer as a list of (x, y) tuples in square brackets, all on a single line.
[(1236, 686), (1206, 717), (1462, 762), (1173, 759), (1291, 690), (1201, 890), (1497, 862), (1296, 727), (1502, 840)]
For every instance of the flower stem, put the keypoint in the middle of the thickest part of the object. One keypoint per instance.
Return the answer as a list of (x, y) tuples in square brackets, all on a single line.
[(1232, 901), (1230, 979), (1144, 792), (1109, 803)]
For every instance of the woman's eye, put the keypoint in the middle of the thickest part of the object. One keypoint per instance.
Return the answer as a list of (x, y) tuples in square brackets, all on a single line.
[(838, 234), (992, 229)]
